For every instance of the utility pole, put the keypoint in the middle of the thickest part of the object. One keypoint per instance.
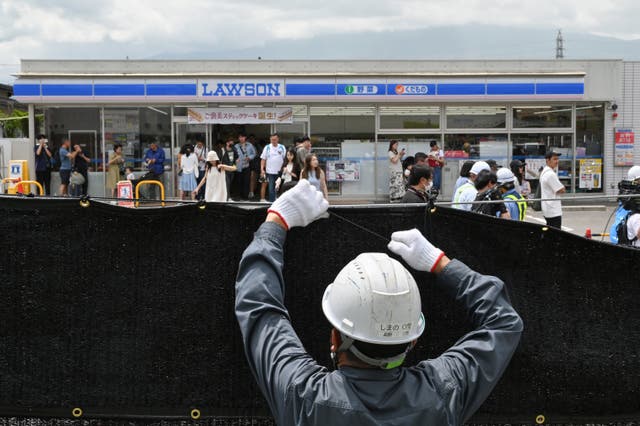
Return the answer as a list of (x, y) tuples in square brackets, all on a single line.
[(559, 46)]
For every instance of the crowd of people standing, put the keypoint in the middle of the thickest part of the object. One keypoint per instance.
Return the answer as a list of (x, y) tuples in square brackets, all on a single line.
[(244, 169)]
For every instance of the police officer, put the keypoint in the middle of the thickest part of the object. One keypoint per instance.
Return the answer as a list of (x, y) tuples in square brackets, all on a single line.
[(375, 323), (515, 202)]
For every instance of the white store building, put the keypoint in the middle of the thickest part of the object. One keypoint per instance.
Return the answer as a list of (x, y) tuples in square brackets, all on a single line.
[(499, 110)]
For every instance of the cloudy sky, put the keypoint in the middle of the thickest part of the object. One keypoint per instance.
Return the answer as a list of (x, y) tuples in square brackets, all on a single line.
[(141, 29)]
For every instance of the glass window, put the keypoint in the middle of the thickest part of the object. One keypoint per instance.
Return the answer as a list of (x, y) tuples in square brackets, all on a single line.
[(334, 124), (477, 146), (409, 117), (82, 126), (542, 116), (589, 147), (476, 117), (135, 128), (459, 148), (531, 148), (330, 124), (410, 143)]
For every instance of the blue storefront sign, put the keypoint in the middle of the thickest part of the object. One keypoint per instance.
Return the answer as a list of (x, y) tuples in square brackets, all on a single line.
[(296, 88)]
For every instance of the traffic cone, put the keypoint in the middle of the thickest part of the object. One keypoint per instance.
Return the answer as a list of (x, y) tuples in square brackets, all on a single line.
[(587, 234), (19, 189)]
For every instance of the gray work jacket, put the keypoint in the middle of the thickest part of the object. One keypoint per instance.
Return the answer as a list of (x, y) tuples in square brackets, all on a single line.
[(442, 391)]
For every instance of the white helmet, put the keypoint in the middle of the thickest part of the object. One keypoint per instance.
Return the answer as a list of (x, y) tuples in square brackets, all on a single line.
[(634, 173), (374, 299), (479, 166), (505, 176)]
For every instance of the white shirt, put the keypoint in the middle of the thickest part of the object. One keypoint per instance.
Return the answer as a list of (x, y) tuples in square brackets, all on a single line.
[(274, 156), (189, 164), (550, 185), (633, 225), (286, 173), (201, 153), (465, 193), (397, 167)]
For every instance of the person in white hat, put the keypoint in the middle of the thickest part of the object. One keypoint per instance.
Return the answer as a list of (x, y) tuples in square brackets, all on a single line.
[(215, 179), (467, 192), (375, 311)]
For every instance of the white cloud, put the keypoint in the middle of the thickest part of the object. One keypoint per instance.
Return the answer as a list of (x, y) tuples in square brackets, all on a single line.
[(145, 28)]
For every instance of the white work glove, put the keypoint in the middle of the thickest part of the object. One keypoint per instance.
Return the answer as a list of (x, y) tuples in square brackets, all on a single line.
[(300, 205), (415, 249)]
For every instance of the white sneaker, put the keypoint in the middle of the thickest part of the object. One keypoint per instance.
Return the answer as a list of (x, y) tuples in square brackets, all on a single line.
[(251, 195), (262, 200)]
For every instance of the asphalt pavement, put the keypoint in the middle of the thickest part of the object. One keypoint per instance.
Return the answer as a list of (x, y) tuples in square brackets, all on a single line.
[(578, 218)]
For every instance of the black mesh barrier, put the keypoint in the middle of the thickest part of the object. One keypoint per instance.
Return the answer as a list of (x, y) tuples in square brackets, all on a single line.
[(126, 315)]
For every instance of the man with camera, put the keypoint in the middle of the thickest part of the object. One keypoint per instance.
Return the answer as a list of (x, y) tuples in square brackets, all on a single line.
[(43, 157), (67, 157), (486, 185)]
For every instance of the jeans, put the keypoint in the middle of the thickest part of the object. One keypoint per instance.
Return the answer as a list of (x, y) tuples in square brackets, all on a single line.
[(437, 177), (271, 179)]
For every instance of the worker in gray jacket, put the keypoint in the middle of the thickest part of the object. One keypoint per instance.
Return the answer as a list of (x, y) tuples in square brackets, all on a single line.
[(375, 310)]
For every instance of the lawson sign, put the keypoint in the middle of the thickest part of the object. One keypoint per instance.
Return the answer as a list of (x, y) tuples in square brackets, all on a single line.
[(240, 88)]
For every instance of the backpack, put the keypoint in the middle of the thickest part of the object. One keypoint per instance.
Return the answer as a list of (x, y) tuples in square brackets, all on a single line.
[(621, 232), (537, 205)]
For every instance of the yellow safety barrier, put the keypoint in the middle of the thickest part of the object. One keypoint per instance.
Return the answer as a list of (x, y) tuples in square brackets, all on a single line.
[(9, 180), (31, 182), (150, 182), (17, 182)]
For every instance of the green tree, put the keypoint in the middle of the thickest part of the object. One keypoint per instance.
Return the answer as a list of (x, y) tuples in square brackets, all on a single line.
[(15, 128)]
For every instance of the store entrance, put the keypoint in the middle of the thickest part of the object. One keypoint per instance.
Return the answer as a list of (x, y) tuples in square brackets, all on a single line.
[(215, 135)]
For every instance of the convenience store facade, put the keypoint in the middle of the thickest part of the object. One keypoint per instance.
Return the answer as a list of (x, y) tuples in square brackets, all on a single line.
[(477, 110)]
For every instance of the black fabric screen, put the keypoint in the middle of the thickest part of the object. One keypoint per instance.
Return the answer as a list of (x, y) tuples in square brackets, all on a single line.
[(128, 313)]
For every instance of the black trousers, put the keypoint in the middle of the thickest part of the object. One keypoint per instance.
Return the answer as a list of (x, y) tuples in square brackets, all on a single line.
[(44, 179), (245, 179), (556, 222), (229, 176)]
